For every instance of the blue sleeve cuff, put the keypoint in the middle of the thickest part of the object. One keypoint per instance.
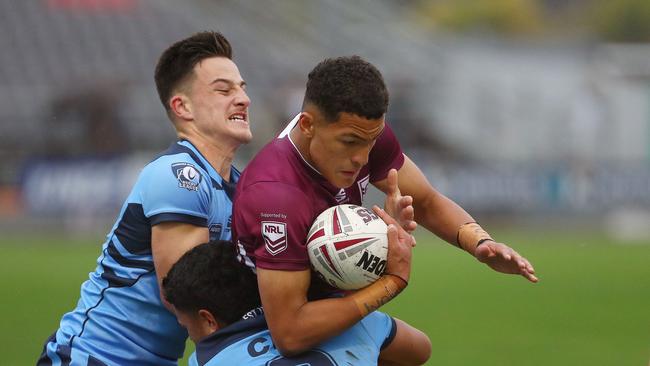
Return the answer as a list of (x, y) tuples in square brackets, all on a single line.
[(177, 217)]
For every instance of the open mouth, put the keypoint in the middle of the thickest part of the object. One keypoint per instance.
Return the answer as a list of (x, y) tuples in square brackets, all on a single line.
[(238, 118)]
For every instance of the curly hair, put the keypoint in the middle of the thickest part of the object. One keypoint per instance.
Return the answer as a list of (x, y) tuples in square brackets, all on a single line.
[(209, 276), (177, 62), (347, 84)]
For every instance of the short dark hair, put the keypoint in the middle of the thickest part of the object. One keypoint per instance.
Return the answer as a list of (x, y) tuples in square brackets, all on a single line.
[(209, 276), (177, 62), (347, 84)]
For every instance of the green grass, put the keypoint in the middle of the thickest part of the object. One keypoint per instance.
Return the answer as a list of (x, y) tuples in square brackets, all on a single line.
[(591, 306)]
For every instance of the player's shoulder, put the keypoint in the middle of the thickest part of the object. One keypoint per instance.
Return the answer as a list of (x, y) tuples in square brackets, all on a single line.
[(273, 163), (265, 193), (177, 160)]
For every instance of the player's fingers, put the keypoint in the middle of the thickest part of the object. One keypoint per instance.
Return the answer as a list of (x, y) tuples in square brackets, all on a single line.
[(407, 213), (392, 234), (522, 263), (529, 267), (406, 201), (530, 277), (393, 187), (406, 210), (410, 226), (388, 219)]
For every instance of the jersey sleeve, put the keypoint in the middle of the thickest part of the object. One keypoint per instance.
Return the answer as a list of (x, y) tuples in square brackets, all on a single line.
[(385, 155), (175, 191), (274, 218), (381, 328)]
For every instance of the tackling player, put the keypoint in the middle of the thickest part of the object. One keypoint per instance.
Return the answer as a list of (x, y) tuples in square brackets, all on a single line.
[(326, 156), (215, 297), (181, 199)]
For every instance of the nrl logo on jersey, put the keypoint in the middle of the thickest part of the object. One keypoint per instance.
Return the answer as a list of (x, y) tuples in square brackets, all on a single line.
[(341, 197), (275, 236), (188, 176), (363, 185)]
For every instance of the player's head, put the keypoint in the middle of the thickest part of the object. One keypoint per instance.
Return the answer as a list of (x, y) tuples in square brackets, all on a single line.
[(209, 288), (202, 90), (343, 114)]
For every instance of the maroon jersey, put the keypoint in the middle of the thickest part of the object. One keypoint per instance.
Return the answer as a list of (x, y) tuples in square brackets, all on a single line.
[(279, 196)]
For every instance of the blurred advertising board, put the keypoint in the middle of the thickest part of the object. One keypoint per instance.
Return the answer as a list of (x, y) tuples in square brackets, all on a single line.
[(74, 186), (539, 188), (98, 186)]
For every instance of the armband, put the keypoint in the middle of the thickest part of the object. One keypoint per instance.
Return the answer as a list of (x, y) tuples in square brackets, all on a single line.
[(470, 235), (378, 293)]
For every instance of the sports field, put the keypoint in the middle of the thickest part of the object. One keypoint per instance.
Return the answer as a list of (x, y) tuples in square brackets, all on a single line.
[(591, 307)]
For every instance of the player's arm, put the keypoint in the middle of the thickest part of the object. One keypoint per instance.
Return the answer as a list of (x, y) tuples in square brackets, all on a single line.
[(409, 347), (169, 241), (297, 324), (177, 215), (449, 221)]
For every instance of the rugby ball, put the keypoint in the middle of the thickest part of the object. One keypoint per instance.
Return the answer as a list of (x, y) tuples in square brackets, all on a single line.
[(348, 246)]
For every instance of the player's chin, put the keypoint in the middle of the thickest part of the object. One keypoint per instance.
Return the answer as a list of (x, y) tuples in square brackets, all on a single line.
[(343, 181), (244, 136)]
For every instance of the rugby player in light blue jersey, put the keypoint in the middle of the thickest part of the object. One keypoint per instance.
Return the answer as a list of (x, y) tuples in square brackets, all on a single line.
[(216, 298), (181, 199)]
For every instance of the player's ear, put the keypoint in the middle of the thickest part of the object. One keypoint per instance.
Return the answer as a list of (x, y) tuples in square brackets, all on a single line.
[(208, 320), (181, 107), (306, 124)]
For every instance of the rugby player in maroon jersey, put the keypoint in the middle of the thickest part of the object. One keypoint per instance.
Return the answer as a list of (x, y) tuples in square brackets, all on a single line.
[(326, 156)]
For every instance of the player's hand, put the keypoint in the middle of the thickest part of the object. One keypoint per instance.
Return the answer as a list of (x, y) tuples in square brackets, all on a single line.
[(504, 259), (398, 206), (400, 246)]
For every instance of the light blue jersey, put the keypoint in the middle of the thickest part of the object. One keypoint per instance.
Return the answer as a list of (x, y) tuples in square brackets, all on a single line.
[(120, 319), (248, 343)]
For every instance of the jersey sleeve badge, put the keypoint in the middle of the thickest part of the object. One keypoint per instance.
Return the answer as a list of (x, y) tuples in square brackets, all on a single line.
[(187, 175), (275, 236)]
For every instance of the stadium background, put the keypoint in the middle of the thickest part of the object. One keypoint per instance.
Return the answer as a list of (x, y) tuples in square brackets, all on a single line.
[(534, 115)]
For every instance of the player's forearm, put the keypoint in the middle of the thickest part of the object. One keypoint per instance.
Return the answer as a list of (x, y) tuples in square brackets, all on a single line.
[(441, 216), (451, 222), (313, 322)]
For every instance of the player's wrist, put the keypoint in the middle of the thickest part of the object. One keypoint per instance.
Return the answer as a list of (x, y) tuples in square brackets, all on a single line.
[(404, 279), (470, 235), (378, 293)]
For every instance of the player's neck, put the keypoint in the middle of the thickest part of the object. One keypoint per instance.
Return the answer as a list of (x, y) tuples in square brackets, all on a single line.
[(302, 145), (220, 156)]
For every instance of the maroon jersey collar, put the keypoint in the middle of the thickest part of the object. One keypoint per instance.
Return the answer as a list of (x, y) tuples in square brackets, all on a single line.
[(311, 170)]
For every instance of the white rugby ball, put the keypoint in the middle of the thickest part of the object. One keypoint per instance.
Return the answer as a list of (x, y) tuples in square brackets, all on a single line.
[(348, 246)]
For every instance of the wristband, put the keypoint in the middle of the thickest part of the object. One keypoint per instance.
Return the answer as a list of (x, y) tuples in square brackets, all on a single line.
[(377, 294), (470, 235), (406, 283)]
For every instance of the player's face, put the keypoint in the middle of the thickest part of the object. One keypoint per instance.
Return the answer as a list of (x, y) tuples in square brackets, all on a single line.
[(219, 101), (340, 149), (194, 324)]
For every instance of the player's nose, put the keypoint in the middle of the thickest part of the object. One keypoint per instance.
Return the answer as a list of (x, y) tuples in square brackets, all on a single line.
[(242, 99), (360, 157)]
